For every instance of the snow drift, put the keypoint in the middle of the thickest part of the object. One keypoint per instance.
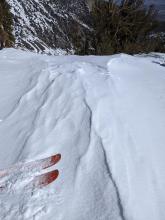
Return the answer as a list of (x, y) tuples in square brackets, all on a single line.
[(105, 115)]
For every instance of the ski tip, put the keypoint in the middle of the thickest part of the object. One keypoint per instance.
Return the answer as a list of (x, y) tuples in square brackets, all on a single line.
[(45, 179), (56, 158), (51, 160)]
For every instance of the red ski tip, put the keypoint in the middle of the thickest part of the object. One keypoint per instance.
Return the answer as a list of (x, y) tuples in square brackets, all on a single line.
[(45, 179), (32, 167), (53, 160)]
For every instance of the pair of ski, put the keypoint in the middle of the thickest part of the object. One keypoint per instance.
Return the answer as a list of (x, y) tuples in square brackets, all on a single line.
[(39, 181)]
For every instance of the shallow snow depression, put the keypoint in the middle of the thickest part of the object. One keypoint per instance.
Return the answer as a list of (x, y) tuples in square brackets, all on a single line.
[(105, 115)]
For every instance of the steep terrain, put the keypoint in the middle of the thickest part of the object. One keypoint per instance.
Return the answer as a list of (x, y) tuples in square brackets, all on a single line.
[(45, 26)]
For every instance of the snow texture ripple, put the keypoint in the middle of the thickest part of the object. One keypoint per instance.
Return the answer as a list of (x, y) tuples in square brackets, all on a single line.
[(104, 115)]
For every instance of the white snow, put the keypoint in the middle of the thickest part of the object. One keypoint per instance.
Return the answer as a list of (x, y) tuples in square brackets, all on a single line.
[(105, 115)]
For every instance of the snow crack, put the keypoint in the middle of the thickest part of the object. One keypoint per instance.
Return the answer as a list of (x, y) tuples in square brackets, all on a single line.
[(113, 181)]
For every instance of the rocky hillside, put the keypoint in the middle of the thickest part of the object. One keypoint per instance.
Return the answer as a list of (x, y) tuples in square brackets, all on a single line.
[(52, 26)]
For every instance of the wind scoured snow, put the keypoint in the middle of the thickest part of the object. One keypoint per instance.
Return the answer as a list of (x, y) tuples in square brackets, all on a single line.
[(105, 115)]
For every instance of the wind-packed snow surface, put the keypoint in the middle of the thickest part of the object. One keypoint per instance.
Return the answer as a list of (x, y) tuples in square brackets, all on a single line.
[(105, 115)]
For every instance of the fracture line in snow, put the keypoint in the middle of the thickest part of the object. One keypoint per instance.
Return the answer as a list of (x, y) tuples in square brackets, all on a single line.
[(107, 164), (113, 181), (108, 167)]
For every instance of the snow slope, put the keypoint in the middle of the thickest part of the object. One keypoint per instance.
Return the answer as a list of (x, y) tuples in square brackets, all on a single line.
[(105, 115), (47, 26)]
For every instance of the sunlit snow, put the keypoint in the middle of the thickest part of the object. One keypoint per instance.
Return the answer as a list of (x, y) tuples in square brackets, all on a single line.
[(104, 115)]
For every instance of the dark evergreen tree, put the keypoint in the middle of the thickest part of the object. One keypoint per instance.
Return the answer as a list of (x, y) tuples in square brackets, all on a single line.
[(6, 22), (123, 27)]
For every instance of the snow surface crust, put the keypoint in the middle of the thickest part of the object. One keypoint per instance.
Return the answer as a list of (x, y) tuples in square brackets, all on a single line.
[(105, 115)]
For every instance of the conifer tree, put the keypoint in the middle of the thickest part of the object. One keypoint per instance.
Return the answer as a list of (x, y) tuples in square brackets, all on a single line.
[(123, 27), (6, 21)]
